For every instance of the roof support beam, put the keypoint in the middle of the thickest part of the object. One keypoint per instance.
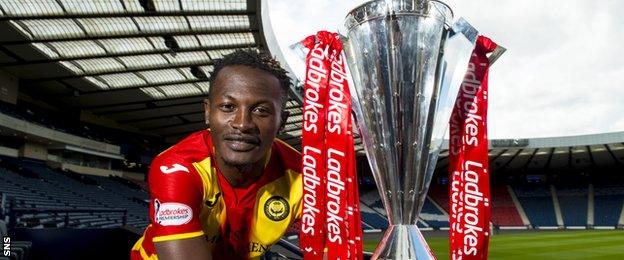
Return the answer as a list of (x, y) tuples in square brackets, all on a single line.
[(11, 54), (124, 14), (125, 54), (141, 102), (158, 117), (130, 35), (504, 166), (550, 156), (526, 165), (617, 161), (591, 157), (178, 82), (146, 108), (94, 74)]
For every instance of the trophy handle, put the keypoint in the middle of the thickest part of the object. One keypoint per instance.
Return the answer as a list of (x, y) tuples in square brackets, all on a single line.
[(457, 51), (298, 54), (496, 54), (463, 27)]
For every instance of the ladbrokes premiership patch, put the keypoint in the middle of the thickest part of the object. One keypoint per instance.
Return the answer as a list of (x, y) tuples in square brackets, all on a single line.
[(172, 213), (276, 208)]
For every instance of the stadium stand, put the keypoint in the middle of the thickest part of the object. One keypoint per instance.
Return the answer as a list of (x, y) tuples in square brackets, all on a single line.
[(608, 203), (37, 187), (439, 193), (372, 217), (19, 249), (538, 205), (52, 120), (374, 213), (373, 200), (433, 216), (573, 203), (503, 211)]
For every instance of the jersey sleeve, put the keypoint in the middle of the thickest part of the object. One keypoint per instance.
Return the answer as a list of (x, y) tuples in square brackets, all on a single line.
[(176, 192)]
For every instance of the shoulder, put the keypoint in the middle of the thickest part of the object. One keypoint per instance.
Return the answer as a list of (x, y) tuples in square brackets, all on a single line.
[(194, 147), (291, 158), (173, 168)]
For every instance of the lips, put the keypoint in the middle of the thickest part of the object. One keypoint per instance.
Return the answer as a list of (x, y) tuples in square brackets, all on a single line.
[(241, 143)]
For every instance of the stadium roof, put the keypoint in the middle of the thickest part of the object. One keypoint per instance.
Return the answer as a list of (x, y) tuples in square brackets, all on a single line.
[(568, 152), (142, 63)]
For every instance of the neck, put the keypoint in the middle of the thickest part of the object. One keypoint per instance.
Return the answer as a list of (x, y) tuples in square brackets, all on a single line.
[(241, 176)]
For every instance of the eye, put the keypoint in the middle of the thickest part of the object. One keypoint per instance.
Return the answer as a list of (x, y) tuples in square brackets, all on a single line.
[(261, 111), (226, 107)]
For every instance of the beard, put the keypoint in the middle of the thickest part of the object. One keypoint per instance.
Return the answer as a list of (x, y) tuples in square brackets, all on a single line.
[(241, 167)]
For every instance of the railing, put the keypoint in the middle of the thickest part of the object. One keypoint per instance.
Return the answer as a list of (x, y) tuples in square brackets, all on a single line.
[(3, 204), (290, 247), (14, 212)]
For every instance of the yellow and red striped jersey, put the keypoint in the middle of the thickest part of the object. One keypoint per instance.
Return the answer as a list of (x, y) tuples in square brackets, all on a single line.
[(191, 198)]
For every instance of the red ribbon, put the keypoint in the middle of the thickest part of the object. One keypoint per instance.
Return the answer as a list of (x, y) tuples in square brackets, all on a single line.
[(468, 160), (330, 216), (312, 238), (354, 224)]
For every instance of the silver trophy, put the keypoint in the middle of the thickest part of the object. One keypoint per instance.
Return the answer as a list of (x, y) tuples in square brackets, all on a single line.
[(407, 61)]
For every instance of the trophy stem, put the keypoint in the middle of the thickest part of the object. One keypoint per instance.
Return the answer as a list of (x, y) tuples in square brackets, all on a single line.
[(403, 242)]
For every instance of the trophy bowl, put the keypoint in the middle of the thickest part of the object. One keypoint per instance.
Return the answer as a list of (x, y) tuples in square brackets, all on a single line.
[(407, 62)]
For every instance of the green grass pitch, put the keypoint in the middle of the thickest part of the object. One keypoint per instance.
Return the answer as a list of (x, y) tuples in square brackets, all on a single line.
[(578, 244)]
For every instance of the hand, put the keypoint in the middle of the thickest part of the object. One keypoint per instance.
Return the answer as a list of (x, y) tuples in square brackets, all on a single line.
[(195, 248)]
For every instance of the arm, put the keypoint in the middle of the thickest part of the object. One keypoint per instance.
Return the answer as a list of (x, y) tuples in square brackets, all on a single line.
[(177, 194), (187, 249)]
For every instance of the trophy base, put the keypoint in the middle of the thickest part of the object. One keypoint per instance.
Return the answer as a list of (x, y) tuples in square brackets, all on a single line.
[(403, 242)]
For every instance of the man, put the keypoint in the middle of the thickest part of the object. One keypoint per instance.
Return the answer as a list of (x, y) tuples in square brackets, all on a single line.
[(233, 190)]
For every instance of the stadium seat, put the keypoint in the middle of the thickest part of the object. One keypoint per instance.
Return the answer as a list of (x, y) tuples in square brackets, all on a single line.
[(573, 203), (503, 211), (537, 203), (608, 201), (52, 189), (433, 216)]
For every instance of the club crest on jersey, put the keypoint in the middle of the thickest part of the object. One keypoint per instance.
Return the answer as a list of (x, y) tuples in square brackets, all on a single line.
[(211, 203), (276, 208)]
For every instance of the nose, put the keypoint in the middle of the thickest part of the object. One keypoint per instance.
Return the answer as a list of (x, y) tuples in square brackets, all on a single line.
[(242, 121)]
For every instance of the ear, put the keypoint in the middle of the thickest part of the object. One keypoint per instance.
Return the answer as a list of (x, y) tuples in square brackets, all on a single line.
[(207, 111), (285, 115)]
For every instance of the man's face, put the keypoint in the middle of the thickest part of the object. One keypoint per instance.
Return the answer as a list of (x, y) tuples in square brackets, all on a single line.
[(245, 113)]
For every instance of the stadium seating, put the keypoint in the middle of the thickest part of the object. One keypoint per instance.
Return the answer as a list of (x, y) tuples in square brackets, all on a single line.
[(503, 210), (373, 200), (430, 215), (433, 216), (52, 121), (372, 218), (608, 201), (439, 194), (19, 249), (573, 203), (537, 202), (138, 147), (47, 189), (503, 213), (372, 211)]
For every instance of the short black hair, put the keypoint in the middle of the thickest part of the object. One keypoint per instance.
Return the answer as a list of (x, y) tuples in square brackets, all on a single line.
[(255, 59)]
